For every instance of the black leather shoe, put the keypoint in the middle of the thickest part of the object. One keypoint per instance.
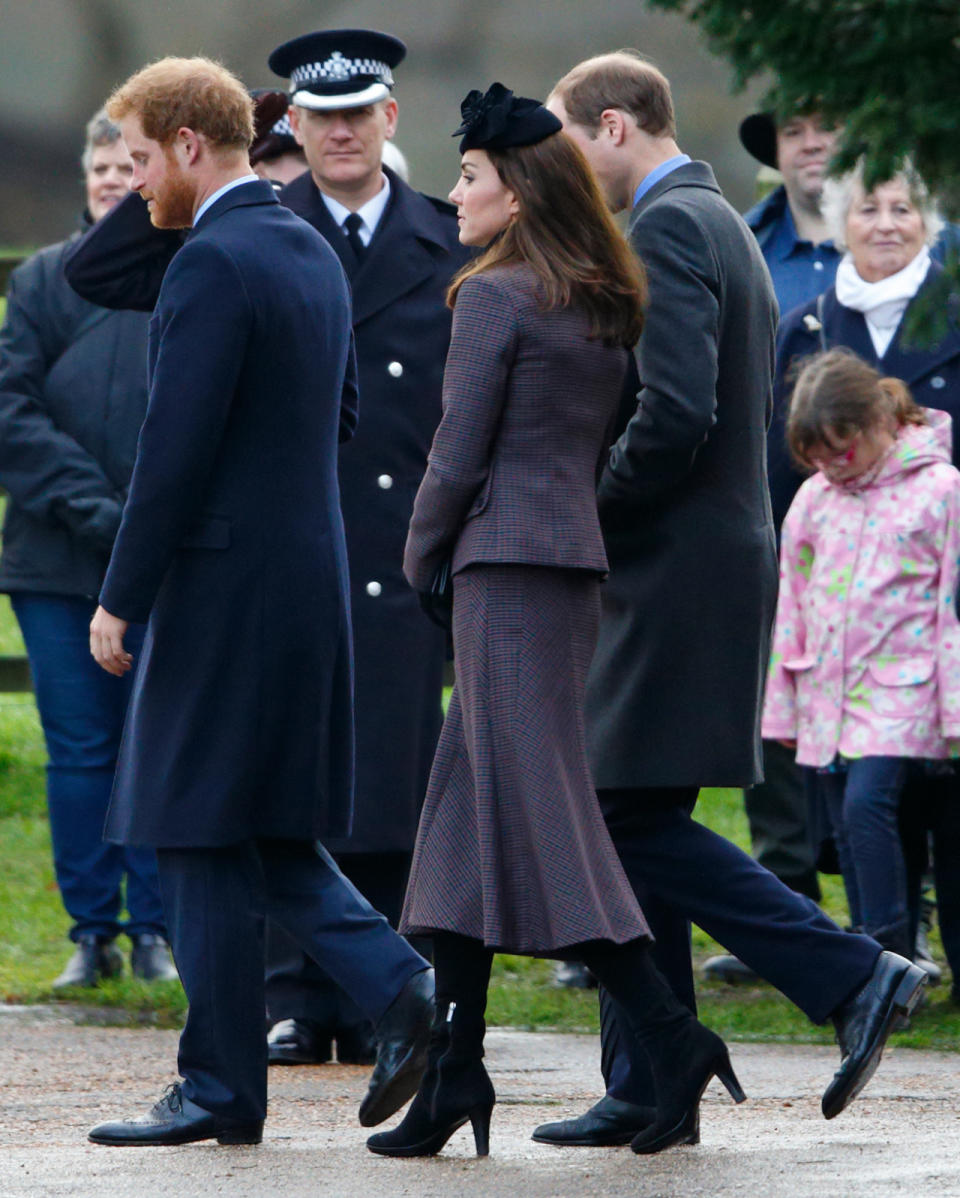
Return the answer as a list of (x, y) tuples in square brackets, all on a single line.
[(94, 958), (865, 1021), (731, 970), (356, 1045), (403, 1037), (298, 1042), (608, 1123), (175, 1119), (573, 975), (150, 959)]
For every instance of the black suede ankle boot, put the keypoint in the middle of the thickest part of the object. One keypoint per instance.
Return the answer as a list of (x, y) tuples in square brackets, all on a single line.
[(454, 1088), (683, 1054)]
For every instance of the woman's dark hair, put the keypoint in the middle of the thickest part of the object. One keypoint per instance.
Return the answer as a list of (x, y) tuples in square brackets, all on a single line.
[(838, 395), (565, 233)]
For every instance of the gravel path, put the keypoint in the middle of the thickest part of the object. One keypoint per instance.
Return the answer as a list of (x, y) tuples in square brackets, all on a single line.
[(902, 1137)]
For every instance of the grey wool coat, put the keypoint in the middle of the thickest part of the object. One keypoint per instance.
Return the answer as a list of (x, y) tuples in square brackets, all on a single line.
[(512, 848), (675, 689)]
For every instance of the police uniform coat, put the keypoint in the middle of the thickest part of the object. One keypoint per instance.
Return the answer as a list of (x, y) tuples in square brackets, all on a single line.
[(240, 722), (675, 688), (402, 329)]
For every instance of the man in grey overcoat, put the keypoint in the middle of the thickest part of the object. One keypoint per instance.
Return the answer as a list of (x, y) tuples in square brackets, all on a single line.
[(674, 694)]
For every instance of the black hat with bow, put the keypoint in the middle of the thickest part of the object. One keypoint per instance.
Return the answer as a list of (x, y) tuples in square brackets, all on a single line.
[(497, 119)]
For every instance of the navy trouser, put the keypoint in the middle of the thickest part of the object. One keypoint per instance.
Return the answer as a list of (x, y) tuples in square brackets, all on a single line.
[(297, 987), (216, 900), (683, 873), (864, 804), (82, 709)]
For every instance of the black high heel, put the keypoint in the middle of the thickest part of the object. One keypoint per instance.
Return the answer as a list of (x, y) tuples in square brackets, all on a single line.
[(404, 1141), (454, 1089), (678, 1100)]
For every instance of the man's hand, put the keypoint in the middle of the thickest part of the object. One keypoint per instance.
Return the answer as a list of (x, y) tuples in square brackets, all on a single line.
[(106, 642)]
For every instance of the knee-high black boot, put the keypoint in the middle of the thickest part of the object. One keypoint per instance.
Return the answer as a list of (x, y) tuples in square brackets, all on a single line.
[(683, 1054), (455, 1087)]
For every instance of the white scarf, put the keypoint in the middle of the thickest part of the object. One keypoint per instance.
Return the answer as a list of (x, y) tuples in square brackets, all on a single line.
[(883, 303)]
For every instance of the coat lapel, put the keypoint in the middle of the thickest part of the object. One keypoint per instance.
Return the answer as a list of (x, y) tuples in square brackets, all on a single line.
[(399, 257)]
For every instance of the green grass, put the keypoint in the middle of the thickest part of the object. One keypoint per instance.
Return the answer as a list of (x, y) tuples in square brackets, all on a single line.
[(33, 925)]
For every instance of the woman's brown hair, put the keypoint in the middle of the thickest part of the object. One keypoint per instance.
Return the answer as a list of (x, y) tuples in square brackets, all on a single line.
[(838, 395), (565, 233)]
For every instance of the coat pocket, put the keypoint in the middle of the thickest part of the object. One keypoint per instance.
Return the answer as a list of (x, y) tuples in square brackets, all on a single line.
[(209, 532), (901, 686)]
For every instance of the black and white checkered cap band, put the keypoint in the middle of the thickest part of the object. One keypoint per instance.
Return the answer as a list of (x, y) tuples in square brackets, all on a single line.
[(338, 69), (282, 127)]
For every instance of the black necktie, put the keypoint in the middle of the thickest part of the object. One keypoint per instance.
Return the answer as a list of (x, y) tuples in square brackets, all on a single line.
[(352, 228)]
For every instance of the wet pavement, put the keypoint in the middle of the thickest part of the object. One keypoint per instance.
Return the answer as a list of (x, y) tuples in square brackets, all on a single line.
[(901, 1137)]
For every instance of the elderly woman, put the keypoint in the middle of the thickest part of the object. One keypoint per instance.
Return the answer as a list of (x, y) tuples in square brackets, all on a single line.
[(73, 392), (886, 268), (885, 272)]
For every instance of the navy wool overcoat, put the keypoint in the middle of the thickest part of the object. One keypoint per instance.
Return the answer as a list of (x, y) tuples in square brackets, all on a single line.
[(232, 542)]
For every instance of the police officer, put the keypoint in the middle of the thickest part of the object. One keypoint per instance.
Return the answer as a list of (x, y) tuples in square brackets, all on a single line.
[(400, 250)]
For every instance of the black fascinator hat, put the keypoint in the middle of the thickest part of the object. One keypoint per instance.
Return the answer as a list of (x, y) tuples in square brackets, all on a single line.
[(498, 119)]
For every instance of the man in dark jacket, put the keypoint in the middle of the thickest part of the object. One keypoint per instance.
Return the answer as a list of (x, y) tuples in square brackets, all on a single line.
[(399, 264), (237, 752), (73, 390), (674, 692)]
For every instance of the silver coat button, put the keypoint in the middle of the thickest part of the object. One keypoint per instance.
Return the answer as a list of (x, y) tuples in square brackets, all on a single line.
[(818, 266), (385, 482), (395, 369), (938, 382), (374, 589)]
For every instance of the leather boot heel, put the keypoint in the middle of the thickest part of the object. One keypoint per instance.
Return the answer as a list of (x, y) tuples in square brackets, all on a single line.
[(724, 1071), (480, 1122)]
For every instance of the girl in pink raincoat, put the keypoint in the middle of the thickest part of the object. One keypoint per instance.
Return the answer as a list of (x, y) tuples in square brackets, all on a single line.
[(865, 670)]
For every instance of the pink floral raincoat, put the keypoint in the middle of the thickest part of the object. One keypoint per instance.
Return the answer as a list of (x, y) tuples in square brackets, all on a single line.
[(866, 648)]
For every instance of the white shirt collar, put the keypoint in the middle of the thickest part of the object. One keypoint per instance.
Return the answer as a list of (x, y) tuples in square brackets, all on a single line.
[(370, 213), (221, 191)]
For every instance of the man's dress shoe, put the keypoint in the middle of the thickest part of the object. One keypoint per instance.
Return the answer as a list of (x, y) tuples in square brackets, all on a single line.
[(150, 959), (94, 958), (356, 1045), (175, 1119), (865, 1021), (608, 1123), (403, 1035), (298, 1042), (731, 970)]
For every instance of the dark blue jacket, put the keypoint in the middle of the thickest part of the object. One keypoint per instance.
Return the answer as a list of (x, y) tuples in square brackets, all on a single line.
[(240, 723), (73, 391), (402, 329)]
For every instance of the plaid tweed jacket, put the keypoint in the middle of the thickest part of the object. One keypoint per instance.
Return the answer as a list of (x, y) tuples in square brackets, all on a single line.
[(528, 407)]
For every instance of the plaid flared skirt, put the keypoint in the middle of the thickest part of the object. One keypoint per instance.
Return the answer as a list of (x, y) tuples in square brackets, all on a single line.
[(512, 848)]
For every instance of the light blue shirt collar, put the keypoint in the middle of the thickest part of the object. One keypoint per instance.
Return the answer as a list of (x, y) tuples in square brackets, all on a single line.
[(658, 173), (222, 191)]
